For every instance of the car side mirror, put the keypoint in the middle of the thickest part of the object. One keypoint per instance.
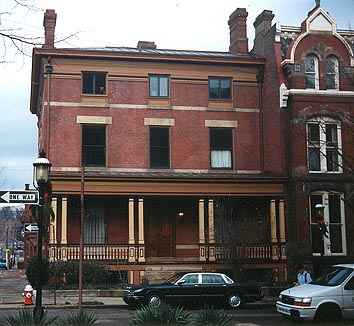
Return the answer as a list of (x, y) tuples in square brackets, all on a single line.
[(181, 282)]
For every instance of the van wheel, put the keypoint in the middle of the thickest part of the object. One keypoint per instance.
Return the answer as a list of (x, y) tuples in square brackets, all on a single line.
[(328, 312)]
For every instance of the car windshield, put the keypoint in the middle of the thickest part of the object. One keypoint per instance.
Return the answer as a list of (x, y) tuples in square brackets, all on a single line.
[(334, 277)]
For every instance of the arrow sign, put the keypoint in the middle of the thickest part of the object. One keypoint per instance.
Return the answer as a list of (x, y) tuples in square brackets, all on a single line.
[(31, 227), (19, 197)]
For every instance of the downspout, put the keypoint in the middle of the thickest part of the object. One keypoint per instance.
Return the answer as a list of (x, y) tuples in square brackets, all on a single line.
[(48, 72), (260, 79)]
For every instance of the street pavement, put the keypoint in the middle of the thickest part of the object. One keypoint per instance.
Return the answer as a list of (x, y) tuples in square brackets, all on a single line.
[(14, 281)]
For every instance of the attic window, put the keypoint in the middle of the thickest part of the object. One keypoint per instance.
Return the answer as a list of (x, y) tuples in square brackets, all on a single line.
[(94, 83)]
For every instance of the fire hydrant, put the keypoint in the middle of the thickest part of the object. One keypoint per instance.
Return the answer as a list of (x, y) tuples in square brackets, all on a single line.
[(29, 294)]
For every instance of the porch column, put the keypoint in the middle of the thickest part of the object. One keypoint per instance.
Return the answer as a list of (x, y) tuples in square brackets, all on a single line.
[(282, 229), (211, 230), (131, 250), (202, 248), (141, 253), (273, 230), (53, 230), (64, 225)]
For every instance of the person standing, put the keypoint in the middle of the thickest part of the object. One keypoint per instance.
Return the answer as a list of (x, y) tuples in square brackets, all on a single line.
[(303, 276)]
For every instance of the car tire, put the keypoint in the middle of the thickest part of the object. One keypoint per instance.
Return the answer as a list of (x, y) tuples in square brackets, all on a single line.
[(153, 300), (328, 312), (234, 301)]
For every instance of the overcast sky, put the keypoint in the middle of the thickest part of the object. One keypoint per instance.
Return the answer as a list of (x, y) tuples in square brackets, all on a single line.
[(172, 24)]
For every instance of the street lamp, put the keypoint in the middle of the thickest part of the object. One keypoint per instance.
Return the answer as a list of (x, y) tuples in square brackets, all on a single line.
[(321, 226), (40, 181)]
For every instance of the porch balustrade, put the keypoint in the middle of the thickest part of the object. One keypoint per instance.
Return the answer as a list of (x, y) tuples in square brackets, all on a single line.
[(121, 253)]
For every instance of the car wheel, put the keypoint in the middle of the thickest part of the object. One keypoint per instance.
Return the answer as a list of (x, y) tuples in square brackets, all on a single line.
[(234, 301), (328, 312), (154, 300)]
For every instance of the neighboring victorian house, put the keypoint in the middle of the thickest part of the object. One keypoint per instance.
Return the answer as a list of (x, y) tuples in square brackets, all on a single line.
[(309, 86), (168, 149)]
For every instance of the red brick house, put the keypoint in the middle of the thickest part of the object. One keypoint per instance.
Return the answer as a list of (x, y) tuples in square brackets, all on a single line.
[(309, 86), (178, 171)]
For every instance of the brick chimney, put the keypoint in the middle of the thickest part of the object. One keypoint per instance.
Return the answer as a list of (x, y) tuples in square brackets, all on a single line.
[(238, 31), (262, 25), (50, 18), (146, 45)]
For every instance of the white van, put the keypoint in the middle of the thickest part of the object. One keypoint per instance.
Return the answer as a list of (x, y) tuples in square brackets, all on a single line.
[(330, 297)]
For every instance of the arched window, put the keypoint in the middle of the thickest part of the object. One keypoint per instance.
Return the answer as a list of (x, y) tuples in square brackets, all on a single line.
[(332, 72), (311, 71)]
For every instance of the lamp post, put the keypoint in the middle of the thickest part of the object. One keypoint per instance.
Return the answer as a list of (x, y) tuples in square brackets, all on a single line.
[(321, 226), (41, 177)]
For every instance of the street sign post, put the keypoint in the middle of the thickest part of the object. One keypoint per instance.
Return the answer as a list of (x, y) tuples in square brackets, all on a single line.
[(19, 197), (31, 227)]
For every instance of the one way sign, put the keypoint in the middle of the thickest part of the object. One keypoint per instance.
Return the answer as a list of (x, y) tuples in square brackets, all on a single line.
[(31, 227), (19, 197)]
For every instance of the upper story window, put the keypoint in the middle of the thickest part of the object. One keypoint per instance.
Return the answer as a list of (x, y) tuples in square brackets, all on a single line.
[(312, 72), (334, 219), (158, 86), (159, 147), (221, 148), (332, 72), (324, 145), (93, 83), (219, 88), (93, 145)]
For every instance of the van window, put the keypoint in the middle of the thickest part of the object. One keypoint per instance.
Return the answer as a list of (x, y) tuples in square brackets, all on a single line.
[(334, 277)]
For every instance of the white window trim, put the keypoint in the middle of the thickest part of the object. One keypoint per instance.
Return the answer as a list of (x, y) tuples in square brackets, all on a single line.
[(316, 72), (323, 162), (336, 72), (325, 201)]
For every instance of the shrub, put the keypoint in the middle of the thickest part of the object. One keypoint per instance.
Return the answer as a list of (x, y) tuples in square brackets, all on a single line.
[(67, 273), (160, 315), (212, 317), (29, 318), (33, 267), (80, 318)]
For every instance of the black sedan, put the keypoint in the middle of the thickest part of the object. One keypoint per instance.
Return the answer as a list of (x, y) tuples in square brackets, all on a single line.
[(194, 288)]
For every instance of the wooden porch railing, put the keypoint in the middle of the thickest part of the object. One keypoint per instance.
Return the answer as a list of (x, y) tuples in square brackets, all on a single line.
[(135, 253)]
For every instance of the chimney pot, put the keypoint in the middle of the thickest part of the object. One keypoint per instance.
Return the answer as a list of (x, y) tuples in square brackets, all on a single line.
[(146, 45)]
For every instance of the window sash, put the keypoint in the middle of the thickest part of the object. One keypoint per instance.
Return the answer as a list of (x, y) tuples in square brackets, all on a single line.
[(220, 88), (93, 145), (311, 72), (324, 146), (158, 86), (94, 223), (334, 217), (221, 148), (94, 83), (332, 72), (159, 148)]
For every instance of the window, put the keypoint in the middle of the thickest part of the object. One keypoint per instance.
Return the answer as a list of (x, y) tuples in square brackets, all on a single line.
[(334, 219), (93, 83), (159, 148), (311, 72), (94, 223), (221, 148), (220, 88), (324, 146), (332, 72), (93, 145), (158, 86)]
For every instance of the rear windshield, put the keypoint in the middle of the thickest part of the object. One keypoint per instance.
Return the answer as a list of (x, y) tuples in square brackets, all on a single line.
[(335, 276)]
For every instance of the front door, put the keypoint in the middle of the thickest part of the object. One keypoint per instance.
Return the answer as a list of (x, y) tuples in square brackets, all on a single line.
[(159, 228)]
